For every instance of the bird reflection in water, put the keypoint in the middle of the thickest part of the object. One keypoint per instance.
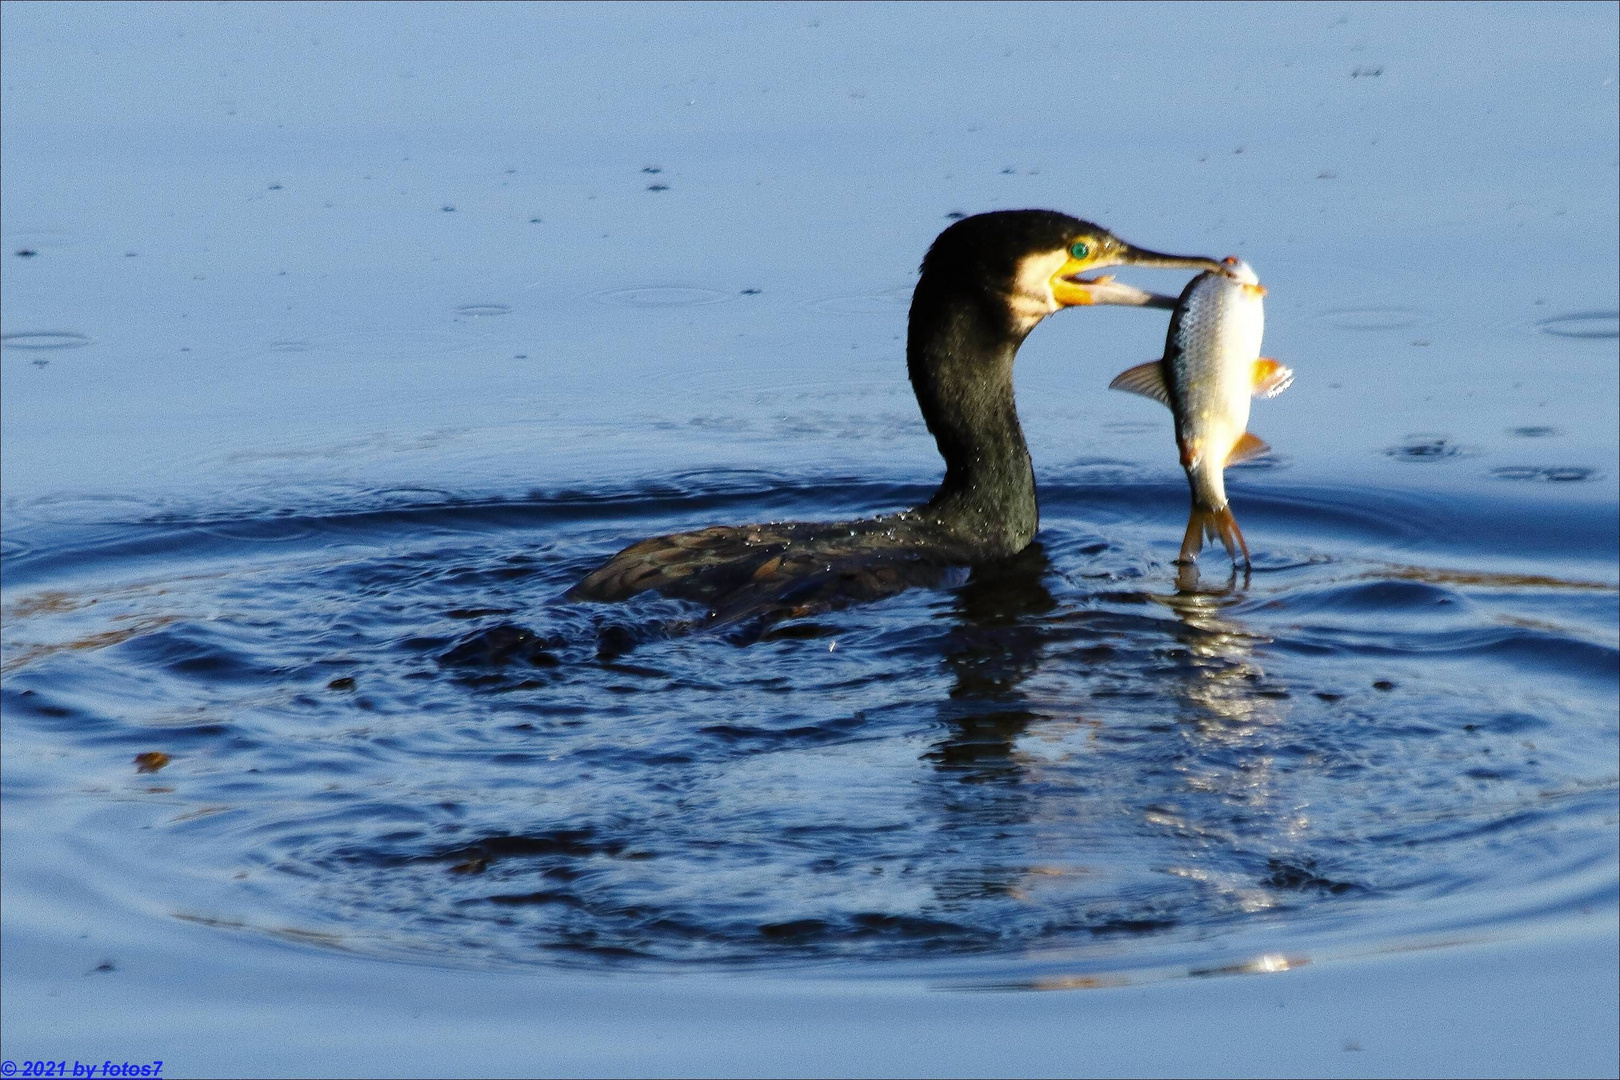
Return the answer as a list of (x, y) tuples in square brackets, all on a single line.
[(997, 640), (996, 643)]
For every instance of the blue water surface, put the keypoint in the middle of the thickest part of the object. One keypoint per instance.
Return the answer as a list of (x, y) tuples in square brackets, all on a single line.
[(339, 341)]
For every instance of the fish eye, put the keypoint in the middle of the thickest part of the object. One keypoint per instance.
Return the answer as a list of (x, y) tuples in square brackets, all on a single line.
[(1079, 250)]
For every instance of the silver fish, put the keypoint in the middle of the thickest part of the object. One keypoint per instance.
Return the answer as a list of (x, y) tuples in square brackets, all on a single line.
[(1210, 370)]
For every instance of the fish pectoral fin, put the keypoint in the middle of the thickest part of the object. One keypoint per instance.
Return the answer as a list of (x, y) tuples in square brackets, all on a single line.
[(1144, 379), (1270, 377), (1248, 446)]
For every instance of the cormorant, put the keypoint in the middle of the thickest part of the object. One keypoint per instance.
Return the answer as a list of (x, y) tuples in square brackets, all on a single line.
[(986, 282)]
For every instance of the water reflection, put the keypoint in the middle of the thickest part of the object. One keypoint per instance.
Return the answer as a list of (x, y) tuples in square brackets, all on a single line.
[(1225, 702), (1119, 761), (995, 644), (1230, 713), (1218, 690), (997, 641)]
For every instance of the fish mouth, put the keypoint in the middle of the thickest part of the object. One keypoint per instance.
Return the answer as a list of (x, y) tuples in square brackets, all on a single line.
[(1070, 288), (1242, 273)]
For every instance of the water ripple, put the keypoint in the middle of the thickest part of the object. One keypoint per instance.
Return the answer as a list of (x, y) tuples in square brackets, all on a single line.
[(387, 729), (660, 296), (1596, 325), (1376, 318), (895, 301), (44, 339)]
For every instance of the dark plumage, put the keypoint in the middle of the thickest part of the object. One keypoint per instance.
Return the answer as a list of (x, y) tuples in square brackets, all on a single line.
[(986, 282)]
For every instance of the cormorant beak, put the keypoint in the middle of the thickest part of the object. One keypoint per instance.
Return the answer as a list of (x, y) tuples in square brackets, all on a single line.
[(1071, 290)]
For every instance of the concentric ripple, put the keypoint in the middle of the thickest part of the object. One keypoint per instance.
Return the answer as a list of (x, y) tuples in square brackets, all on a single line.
[(1596, 325), (407, 744), (44, 339)]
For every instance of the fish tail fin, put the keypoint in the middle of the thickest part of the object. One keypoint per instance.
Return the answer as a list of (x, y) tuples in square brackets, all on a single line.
[(1204, 523), (1192, 542), (1226, 528)]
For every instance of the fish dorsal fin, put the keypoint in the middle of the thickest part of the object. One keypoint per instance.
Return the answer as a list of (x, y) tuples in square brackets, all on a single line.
[(1270, 377), (1145, 379), (1247, 447)]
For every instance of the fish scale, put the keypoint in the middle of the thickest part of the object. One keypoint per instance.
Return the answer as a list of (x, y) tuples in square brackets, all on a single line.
[(1210, 356), (1210, 370)]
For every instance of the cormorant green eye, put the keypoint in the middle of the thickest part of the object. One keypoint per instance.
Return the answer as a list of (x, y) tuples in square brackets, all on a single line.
[(1079, 251)]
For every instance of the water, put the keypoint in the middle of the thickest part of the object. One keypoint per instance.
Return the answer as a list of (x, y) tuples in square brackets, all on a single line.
[(386, 729), (312, 416)]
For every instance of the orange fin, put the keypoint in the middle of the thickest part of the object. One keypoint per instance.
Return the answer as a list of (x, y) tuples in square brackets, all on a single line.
[(1248, 447), (1145, 379), (1219, 525), (1271, 378), (1192, 541)]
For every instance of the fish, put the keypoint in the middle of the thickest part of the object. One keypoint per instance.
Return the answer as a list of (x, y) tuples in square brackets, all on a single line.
[(1210, 371)]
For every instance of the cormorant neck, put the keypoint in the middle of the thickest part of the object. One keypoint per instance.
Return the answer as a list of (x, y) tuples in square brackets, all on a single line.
[(959, 353)]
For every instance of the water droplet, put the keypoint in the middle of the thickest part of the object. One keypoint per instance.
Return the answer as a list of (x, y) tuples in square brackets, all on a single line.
[(480, 310)]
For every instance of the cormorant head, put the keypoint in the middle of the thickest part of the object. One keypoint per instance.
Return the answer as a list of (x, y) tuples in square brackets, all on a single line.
[(1035, 259)]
